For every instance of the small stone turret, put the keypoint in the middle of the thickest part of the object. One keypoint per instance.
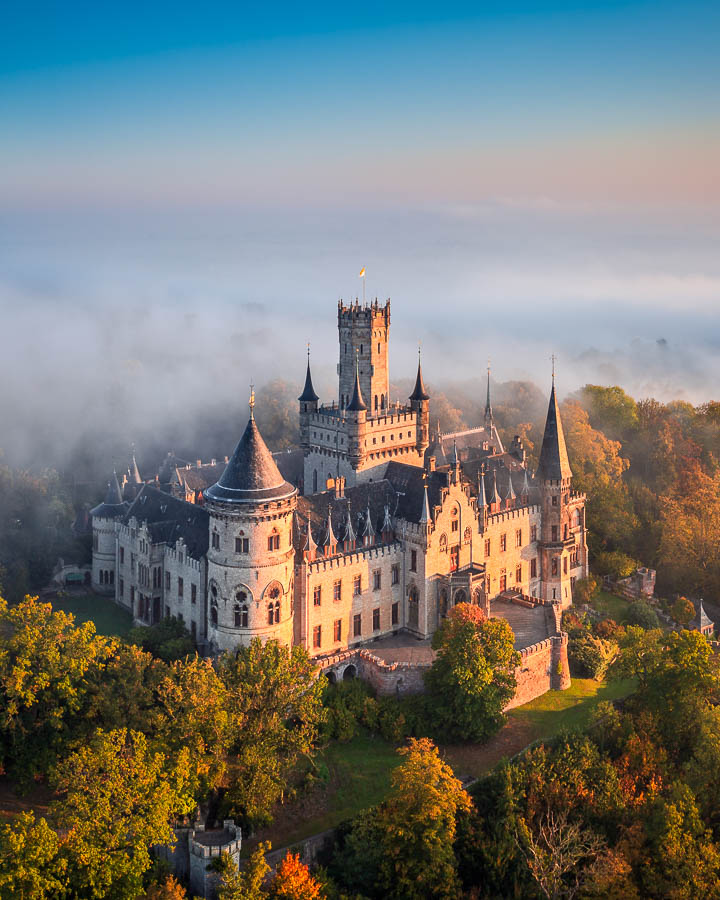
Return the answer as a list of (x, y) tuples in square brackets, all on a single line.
[(420, 403), (308, 406), (104, 558)]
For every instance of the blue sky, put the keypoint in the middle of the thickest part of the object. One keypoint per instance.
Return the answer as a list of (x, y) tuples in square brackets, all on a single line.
[(520, 178)]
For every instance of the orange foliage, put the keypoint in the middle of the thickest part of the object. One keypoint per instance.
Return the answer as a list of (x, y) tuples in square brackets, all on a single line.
[(293, 881)]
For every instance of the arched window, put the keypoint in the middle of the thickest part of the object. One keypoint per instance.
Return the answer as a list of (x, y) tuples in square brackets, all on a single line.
[(443, 543), (213, 613), (112, 577), (241, 610), (460, 597), (273, 612), (382, 401), (314, 481), (376, 402), (413, 611), (467, 535), (102, 577)]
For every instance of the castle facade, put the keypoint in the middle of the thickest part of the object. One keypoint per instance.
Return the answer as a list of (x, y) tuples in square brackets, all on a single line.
[(374, 526)]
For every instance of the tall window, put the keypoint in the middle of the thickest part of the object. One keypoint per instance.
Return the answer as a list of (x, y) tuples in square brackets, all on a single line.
[(337, 630), (274, 542), (518, 537), (193, 594), (467, 535), (215, 540), (317, 636), (273, 612), (518, 573), (395, 575), (554, 566), (242, 545), (357, 625), (533, 533), (213, 613), (357, 585), (377, 579), (337, 590), (487, 546), (503, 543), (413, 560), (317, 595), (395, 611), (376, 619), (122, 554), (533, 568), (554, 532), (454, 558)]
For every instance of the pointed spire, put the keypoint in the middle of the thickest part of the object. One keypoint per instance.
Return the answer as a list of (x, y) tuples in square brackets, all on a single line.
[(488, 405), (425, 517), (510, 493), (368, 529), (133, 470), (330, 539), (114, 494), (350, 536), (525, 485), (387, 522), (495, 495), (419, 392), (357, 404), (482, 498), (251, 475), (252, 400), (308, 395), (454, 461), (310, 545), (553, 464)]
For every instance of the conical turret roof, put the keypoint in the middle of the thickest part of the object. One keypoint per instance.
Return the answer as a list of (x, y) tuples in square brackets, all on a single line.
[(113, 504), (357, 404), (251, 475), (554, 464), (308, 395), (134, 472), (419, 392)]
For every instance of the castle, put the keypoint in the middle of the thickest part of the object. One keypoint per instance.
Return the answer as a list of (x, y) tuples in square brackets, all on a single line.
[(374, 527)]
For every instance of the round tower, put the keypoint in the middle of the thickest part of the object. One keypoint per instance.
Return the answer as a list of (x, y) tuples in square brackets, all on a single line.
[(104, 556), (251, 553), (356, 415), (308, 407)]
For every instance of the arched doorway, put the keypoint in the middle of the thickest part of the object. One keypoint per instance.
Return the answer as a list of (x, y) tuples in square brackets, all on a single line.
[(331, 677), (349, 673), (460, 597)]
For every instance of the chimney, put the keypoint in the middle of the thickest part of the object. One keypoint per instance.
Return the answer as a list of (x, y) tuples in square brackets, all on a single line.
[(339, 487)]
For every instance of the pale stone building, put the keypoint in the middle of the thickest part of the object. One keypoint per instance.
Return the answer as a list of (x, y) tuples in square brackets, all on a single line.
[(374, 527)]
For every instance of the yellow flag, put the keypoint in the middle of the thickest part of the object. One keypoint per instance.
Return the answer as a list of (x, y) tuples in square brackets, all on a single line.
[(362, 272)]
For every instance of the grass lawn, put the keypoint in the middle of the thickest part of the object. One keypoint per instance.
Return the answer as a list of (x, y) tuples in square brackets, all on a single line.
[(611, 606), (358, 777), (558, 711), (108, 617)]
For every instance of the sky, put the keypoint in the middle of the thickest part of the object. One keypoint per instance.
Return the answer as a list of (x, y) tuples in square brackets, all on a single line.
[(186, 190)]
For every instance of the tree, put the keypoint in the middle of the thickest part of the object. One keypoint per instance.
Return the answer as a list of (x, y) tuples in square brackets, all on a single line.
[(117, 799), (472, 678), (246, 883), (293, 881), (416, 826), (682, 611), (585, 590), (167, 889), (46, 663), (30, 868), (591, 656), (642, 614), (275, 705), (611, 410), (168, 640), (559, 854)]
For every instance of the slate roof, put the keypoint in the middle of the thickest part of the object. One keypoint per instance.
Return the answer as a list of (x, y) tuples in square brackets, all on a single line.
[(419, 392), (469, 444), (169, 518), (113, 505), (252, 475), (374, 495), (702, 620), (554, 464), (357, 403), (308, 395)]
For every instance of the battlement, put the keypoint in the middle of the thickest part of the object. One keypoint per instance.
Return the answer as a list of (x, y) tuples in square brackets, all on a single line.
[(516, 512), (348, 558), (372, 314), (207, 844)]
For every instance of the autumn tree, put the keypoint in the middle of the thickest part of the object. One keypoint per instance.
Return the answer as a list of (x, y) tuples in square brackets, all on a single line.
[(30, 865), (117, 798), (275, 704), (46, 663), (472, 678), (416, 826), (682, 611), (168, 888), (293, 881), (245, 883)]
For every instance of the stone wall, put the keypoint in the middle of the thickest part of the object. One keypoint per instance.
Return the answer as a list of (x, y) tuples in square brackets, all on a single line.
[(543, 667), (388, 679)]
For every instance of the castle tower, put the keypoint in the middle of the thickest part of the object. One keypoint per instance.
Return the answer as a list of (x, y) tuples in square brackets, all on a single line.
[(308, 406), (363, 332), (420, 403), (251, 554), (104, 557), (555, 478), (356, 413)]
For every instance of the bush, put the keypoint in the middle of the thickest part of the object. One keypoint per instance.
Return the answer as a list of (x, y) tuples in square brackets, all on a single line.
[(607, 628), (615, 563), (590, 656), (168, 640), (585, 589), (642, 614)]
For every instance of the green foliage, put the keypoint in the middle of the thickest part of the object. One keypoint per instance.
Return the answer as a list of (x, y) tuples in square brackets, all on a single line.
[(611, 410), (682, 610), (30, 866), (590, 656), (168, 640), (117, 798), (642, 614), (585, 590), (246, 884), (472, 678), (614, 563), (275, 711)]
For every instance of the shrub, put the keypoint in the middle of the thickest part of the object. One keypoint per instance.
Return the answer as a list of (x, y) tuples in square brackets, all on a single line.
[(607, 628), (642, 614), (590, 656)]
